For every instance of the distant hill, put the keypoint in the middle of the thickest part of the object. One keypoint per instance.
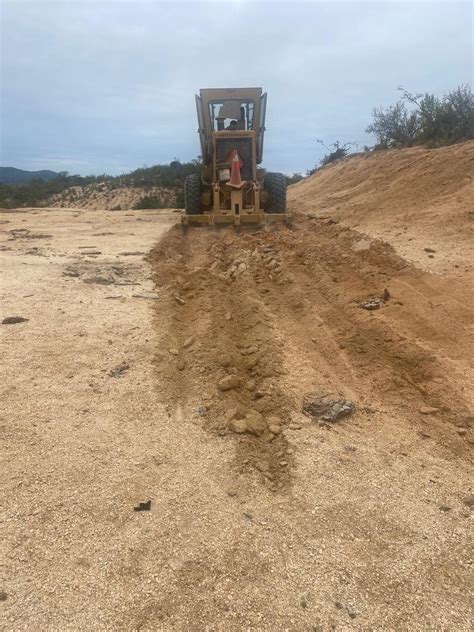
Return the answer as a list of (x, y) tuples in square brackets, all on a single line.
[(11, 175), (148, 187)]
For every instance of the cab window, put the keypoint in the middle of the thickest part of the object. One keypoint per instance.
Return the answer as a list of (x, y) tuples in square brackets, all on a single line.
[(232, 114)]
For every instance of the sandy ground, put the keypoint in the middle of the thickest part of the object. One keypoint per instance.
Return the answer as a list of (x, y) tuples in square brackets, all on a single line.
[(110, 397)]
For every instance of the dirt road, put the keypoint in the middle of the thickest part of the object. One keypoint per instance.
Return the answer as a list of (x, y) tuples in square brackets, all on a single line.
[(119, 388)]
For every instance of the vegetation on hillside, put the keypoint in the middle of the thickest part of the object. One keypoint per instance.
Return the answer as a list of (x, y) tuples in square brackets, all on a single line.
[(416, 119), (149, 201), (424, 119), (336, 151), (37, 192)]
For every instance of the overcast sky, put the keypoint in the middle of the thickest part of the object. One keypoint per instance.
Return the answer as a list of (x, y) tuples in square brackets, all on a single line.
[(93, 87)]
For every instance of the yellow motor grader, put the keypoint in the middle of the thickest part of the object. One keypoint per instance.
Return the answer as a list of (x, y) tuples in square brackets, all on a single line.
[(231, 188)]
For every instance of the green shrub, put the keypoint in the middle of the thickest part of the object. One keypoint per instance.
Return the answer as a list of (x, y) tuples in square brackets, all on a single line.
[(149, 201), (425, 119), (336, 151), (37, 192)]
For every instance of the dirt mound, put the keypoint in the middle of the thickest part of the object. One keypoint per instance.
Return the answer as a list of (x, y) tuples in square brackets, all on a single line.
[(249, 323), (109, 197), (219, 355), (416, 199)]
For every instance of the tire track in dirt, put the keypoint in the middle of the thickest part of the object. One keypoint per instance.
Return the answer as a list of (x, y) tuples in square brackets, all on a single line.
[(365, 354), (275, 314)]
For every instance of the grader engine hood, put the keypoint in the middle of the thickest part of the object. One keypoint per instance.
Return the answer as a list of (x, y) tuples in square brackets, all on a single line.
[(226, 144)]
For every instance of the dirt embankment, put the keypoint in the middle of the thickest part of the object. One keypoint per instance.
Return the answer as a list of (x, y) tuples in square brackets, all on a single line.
[(418, 200), (107, 196)]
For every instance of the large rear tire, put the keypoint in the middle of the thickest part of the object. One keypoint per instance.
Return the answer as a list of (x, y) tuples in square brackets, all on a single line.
[(275, 185), (192, 194)]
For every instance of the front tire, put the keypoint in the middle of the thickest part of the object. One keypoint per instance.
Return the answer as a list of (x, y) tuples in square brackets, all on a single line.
[(275, 185), (192, 194)]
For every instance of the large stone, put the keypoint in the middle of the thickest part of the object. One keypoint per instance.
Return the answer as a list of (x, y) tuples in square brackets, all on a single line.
[(256, 424), (238, 425), (234, 413), (274, 424), (228, 383), (321, 406)]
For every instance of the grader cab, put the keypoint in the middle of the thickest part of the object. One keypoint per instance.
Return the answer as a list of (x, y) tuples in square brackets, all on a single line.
[(232, 188)]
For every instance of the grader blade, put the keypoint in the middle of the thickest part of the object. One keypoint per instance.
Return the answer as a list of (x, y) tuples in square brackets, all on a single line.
[(255, 219)]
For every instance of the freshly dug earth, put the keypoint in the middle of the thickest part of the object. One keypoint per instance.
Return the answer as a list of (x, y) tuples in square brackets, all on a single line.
[(420, 200), (261, 517)]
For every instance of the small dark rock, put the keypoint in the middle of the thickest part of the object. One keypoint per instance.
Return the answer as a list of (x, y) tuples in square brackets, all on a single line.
[(119, 370), (350, 611), (3, 595), (143, 506), (445, 508), (469, 500), (386, 295), (98, 280), (70, 273), (430, 250), (13, 320)]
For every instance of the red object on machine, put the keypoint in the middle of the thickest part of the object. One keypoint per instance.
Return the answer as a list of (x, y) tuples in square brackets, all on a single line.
[(236, 165)]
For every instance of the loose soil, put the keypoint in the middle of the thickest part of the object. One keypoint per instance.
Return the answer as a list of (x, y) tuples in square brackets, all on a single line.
[(130, 389)]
